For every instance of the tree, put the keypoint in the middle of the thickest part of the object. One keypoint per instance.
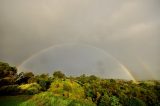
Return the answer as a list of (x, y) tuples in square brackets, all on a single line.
[(44, 81), (6, 70), (58, 74), (92, 77), (24, 77), (7, 74), (105, 100)]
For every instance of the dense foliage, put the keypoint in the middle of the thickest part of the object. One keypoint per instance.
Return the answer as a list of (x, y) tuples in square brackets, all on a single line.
[(67, 88), (77, 91)]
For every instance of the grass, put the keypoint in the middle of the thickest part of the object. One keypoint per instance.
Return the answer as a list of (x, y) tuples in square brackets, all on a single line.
[(13, 100), (42, 99), (67, 88)]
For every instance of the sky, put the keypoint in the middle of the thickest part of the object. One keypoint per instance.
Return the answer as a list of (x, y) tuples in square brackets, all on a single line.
[(128, 30)]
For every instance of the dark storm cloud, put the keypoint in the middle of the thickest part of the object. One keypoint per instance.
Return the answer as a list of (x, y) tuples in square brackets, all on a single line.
[(127, 29)]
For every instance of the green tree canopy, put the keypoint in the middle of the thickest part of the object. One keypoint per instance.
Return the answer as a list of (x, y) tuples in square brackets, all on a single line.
[(58, 74)]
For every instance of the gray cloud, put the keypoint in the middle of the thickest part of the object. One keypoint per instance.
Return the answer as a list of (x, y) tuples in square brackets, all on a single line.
[(127, 29)]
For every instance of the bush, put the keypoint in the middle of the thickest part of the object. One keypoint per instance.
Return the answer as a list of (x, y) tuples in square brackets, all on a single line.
[(9, 90), (114, 101), (30, 89), (67, 88), (44, 84), (6, 81), (135, 102), (105, 100), (47, 99), (109, 101)]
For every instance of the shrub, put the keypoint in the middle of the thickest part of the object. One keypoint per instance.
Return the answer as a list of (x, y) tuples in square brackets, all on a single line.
[(109, 101), (67, 88), (44, 84), (6, 81), (114, 101), (47, 99), (30, 89), (105, 100), (135, 102), (9, 90)]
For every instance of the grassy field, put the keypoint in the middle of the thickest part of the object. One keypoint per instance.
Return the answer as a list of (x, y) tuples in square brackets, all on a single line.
[(42, 99)]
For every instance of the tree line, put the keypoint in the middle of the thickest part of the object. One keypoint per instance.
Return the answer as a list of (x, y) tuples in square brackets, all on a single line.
[(102, 92)]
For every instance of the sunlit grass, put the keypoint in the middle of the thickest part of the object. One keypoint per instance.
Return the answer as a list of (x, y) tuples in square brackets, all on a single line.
[(67, 88)]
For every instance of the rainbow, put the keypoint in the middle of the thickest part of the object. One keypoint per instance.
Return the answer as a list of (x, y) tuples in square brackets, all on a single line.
[(124, 68)]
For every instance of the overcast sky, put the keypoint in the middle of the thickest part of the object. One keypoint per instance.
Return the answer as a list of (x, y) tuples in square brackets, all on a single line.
[(129, 30)]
